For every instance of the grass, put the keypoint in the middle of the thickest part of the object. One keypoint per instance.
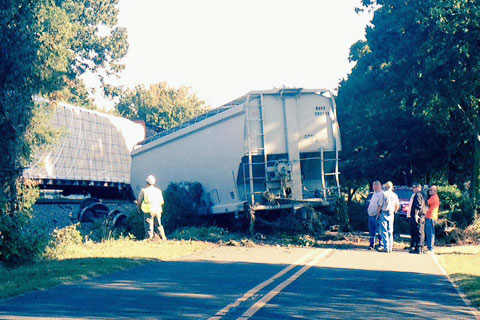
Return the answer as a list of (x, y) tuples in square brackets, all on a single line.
[(463, 265), (82, 261), (210, 234), (75, 260)]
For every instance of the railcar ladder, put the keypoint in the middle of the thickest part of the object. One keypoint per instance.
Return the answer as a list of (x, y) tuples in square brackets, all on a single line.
[(254, 119), (335, 174)]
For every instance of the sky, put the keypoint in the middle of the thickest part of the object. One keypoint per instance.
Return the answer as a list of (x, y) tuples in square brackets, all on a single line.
[(222, 49)]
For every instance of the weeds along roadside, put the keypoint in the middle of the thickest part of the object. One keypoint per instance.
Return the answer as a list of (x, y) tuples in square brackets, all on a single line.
[(461, 263)]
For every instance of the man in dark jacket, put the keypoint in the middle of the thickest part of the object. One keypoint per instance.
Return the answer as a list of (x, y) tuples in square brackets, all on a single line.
[(417, 212)]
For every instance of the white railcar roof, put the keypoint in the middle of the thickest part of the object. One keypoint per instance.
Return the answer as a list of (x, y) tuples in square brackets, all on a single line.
[(234, 103), (94, 146), (280, 91)]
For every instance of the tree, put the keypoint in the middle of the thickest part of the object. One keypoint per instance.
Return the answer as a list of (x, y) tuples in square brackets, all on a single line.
[(410, 103), (44, 44), (160, 105), (452, 73), (75, 92)]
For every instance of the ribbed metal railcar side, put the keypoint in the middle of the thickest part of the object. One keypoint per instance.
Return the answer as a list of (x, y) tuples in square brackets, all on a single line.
[(267, 149), (207, 152)]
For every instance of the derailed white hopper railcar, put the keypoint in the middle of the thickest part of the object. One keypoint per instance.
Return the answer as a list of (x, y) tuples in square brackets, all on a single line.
[(266, 150)]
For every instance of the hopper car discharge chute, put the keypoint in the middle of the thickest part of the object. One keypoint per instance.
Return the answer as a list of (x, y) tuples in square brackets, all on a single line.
[(274, 149)]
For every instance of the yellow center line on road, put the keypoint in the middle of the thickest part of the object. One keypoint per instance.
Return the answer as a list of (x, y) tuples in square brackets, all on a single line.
[(262, 285), (269, 296)]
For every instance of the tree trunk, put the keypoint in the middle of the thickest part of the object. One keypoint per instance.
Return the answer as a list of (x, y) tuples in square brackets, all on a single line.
[(351, 193), (452, 173), (476, 167)]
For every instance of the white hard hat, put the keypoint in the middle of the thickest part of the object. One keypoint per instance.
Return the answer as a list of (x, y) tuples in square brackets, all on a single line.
[(150, 180)]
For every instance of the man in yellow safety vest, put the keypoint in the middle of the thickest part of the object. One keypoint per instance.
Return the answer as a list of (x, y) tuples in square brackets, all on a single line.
[(150, 201)]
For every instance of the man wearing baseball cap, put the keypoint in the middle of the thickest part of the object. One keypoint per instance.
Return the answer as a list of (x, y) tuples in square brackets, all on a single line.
[(417, 212)]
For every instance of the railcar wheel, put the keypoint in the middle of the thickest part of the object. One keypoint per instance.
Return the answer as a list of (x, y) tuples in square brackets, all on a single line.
[(86, 215)]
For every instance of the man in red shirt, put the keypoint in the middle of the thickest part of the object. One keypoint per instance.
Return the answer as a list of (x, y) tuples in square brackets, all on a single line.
[(431, 217)]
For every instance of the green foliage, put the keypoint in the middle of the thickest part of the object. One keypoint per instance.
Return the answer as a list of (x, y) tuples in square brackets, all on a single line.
[(18, 245), (67, 240), (62, 239), (160, 105), (458, 206), (99, 230), (303, 221), (40, 136), (464, 215), (450, 197), (341, 215), (304, 240), (211, 234), (183, 205), (314, 223), (44, 44), (414, 84), (135, 224), (357, 216), (75, 92)]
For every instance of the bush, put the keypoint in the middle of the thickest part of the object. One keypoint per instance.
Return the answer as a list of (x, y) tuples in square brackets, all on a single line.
[(450, 197), (314, 222), (457, 205), (341, 215), (461, 209), (183, 205), (99, 230), (18, 244), (446, 232), (62, 239), (357, 216), (302, 221), (473, 230), (135, 224), (304, 240)]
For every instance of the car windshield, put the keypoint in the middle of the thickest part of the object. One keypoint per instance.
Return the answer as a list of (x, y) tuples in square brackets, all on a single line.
[(404, 193)]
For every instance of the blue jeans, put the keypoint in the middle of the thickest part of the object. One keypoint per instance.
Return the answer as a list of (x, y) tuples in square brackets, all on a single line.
[(373, 230), (386, 230), (430, 233)]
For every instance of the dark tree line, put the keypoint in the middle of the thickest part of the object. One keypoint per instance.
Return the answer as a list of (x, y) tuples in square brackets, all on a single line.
[(410, 109)]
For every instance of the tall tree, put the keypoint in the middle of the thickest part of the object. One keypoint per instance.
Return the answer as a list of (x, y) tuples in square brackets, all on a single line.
[(412, 97), (74, 92), (160, 105), (43, 45)]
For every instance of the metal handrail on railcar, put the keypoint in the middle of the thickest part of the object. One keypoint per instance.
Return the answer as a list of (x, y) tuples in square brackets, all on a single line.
[(186, 124)]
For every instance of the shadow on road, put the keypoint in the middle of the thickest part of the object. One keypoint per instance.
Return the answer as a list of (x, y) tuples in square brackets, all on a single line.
[(198, 289), (337, 293)]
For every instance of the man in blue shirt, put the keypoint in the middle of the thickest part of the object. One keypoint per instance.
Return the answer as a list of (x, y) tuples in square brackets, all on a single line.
[(373, 208)]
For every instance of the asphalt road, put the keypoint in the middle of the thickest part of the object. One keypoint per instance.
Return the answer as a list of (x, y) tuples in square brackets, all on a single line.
[(257, 283)]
